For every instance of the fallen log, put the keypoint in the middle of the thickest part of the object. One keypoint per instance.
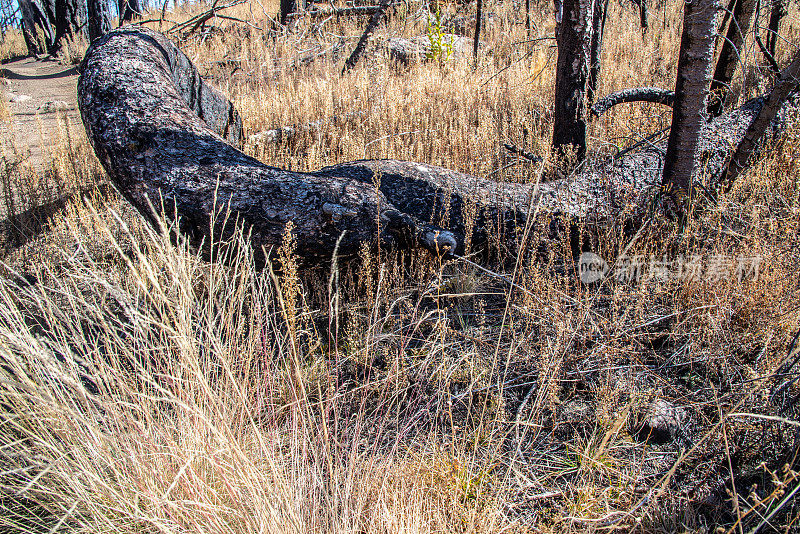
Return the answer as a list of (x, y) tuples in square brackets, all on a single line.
[(166, 141)]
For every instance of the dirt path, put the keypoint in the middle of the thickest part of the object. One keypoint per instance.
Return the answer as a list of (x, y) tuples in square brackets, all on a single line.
[(38, 93)]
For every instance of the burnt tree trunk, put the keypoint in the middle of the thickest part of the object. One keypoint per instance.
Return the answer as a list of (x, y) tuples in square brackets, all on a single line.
[(729, 55), (128, 10), (99, 22), (368, 31), (36, 27), (288, 8), (598, 28), (166, 140), (787, 83), (70, 20), (776, 14), (477, 30), (691, 89), (574, 39)]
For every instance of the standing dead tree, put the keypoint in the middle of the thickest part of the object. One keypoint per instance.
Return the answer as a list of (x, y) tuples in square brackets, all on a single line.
[(69, 19), (574, 20), (36, 27), (128, 10), (288, 9), (99, 18), (773, 26), (691, 89), (730, 54), (598, 29), (167, 141), (786, 84)]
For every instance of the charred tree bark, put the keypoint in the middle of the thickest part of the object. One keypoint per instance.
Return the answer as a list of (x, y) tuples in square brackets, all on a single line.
[(729, 55), (70, 20), (788, 82), (478, 18), (574, 39), (128, 10), (643, 24), (163, 136), (654, 95), (288, 8), (774, 25), (368, 31), (36, 27), (691, 89), (99, 18), (598, 28), (166, 141)]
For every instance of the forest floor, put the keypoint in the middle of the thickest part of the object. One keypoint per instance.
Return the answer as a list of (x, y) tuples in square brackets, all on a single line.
[(39, 93)]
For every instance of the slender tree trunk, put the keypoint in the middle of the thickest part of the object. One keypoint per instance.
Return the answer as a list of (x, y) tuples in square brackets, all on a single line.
[(574, 39), (643, 24), (128, 10), (288, 7), (776, 14), (36, 27), (477, 29), (691, 89), (70, 20), (362, 43), (99, 18), (528, 17), (598, 28), (730, 54), (788, 82)]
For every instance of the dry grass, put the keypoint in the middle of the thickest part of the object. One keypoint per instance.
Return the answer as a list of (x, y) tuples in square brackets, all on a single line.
[(144, 390)]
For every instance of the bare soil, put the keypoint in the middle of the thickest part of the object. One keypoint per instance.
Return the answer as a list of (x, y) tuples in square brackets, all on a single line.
[(36, 123)]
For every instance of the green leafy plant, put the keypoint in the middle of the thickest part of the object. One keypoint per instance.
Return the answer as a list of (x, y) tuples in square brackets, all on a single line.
[(441, 47)]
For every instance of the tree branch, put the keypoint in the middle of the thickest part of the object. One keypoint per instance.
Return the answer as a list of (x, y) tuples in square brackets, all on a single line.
[(653, 95)]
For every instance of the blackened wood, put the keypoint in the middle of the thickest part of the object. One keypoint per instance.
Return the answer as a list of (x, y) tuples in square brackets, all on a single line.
[(478, 18), (598, 29), (166, 141), (691, 89), (729, 56), (69, 20), (128, 10), (788, 82), (362, 42), (574, 39), (99, 18), (163, 136), (36, 27), (288, 8), (654, 95), (776, 14)]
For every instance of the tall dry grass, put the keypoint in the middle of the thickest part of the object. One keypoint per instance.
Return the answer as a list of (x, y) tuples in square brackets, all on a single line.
[(143, 389)]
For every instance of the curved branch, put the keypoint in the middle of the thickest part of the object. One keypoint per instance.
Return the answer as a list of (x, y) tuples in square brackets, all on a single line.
[(654, 95)]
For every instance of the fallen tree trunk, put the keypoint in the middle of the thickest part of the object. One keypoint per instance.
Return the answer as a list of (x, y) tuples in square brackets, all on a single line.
[(166, 140)]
